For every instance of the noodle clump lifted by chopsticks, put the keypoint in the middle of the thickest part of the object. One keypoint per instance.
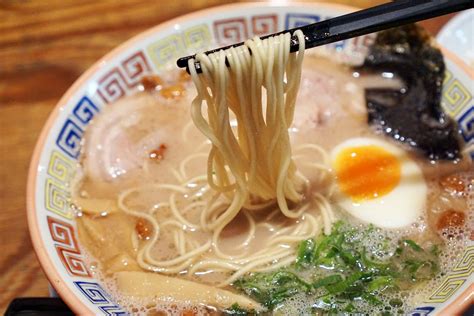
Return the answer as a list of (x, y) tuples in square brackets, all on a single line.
[(245, 110)]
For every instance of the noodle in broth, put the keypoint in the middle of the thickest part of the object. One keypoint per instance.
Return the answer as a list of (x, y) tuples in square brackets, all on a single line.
[(246, 173)]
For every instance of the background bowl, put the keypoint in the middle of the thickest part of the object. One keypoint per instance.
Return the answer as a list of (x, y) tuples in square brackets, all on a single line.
[(458, 36), (54, 162)]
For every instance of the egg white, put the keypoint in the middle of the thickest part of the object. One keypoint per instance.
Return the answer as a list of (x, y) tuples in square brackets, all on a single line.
[(398, 208)]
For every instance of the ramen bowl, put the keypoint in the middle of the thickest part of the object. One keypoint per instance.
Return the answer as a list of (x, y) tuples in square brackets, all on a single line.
[(55, 160)]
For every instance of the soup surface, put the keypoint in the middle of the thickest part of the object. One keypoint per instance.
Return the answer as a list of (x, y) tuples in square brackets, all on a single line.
[(142, 157)]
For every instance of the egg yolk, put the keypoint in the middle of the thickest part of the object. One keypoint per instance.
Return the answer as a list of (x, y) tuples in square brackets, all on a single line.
[(366, 172)]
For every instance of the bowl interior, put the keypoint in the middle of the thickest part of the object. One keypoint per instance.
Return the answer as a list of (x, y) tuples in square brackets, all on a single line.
[(55, 159)]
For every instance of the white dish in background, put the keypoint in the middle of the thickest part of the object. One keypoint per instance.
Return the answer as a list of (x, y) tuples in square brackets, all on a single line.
[(458, 36)]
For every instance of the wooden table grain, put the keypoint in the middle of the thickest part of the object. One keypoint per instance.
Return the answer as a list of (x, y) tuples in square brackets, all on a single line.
[(44, 47)]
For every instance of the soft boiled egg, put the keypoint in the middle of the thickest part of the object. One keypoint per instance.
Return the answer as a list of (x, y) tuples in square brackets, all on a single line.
[(378, 183)]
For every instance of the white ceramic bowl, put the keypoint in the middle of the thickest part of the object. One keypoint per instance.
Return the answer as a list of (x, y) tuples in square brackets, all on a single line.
[(54, 162), (458, 36)]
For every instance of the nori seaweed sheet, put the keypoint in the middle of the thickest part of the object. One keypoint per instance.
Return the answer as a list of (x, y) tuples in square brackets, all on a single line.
[(412, 115)]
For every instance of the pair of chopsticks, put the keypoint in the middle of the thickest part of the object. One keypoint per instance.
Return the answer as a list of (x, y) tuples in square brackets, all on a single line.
[(361, 22)]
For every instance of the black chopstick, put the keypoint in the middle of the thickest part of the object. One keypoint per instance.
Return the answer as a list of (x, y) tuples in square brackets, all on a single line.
[(361, 22)]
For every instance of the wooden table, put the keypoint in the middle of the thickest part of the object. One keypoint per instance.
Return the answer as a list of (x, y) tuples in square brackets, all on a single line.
[(44, 47)]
